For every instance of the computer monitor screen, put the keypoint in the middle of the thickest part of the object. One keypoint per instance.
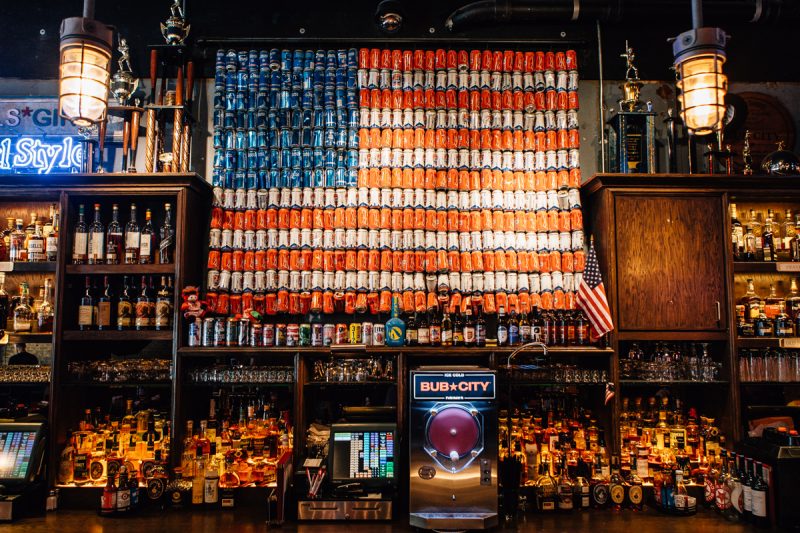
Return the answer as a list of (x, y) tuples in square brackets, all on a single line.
[(362, 453), (16, 453)]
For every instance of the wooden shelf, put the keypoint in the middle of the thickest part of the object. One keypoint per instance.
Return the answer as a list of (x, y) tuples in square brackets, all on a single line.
[(350, 383), (757, 267), (115, 335), (131, 270), (675, 336), (229, 384), (219, 351), (505, 382), (768, 342), (117, 385), (27, 338), (24, 384), (16, 266), (644, 382), (770, 383)]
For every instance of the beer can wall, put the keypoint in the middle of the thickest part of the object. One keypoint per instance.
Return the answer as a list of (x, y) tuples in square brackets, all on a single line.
[(344, 177)]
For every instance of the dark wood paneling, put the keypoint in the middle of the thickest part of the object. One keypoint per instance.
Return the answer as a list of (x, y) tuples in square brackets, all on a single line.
[(670, 262)]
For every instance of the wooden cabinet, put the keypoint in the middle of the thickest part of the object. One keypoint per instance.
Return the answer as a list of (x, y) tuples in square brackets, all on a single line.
[(670, 262)]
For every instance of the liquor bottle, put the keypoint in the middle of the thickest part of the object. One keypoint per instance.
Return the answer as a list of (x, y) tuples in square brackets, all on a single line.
[(115, 248), (163, 313), (447, 329), (435, 329), (105, 306), (5, 305), (581, 329), (412, 332), (123, 493), (565, 488), (789, 231), (46, 309), (147, 240), (395, 327), (783, 325), (87, 310), (480, 330), (458, 328), (524, 329), (51, 240), (133, 489), (581, 493), (747, 493), (125, 311), (198, 482), (10, 225), (108, 501), (616, 489), (80, 239), (513, 328), (423, 330), (737, 234), (751, 302), (768, 240), (749, 252), (166, 248), (97, 245), (29, 229), (792, 300), (794, 245), (735, 488), (763, 326), (211, 484), (502, 327), (599, 487), (545, 487), (23, 313), (758, 490), (771, 302), (132, 239), (469, 329), (635, 492), (143, 303), (36, 245), (18, 250)]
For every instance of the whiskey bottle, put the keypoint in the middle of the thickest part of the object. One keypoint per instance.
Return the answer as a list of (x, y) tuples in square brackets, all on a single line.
[(125, 310), (163, 312), (23, 313), (737, 233), (412, 332), (502, 327), (166, 248), (524, 329), (147, 242), (750, 246), (132, 239), (18, 251), (423, 331), (97, 233), (768, 251), (616, 488), (754, 221), (480, 330), (789, 231), (46, 309), (115, 248), (105, 304), (80, 239), (36, 245), (759, 489), (751, 302), (51, 240), (458, 329), (447, 329), (143, 303), (792, 300), (794, 245), (565, 488), (545, 487), (783, 325), (87, 310)]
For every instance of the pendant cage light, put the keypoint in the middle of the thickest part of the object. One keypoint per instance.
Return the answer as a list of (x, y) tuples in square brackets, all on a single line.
[(84, 68)]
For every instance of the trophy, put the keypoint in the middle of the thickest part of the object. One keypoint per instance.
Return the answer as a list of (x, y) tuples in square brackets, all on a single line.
[(631, 138), (123, 84), (747, 155), (175, 29)]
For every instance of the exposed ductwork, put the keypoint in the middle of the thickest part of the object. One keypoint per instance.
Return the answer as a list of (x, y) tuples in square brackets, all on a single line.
[(493, 12)]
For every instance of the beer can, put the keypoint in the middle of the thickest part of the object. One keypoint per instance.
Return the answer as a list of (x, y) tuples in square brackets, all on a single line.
[(317, 334), (328, 334), (243, 332), (292, 335), (367, 332), (256, 335), (355, 333), (268, 335), (231, 331), (280, 334), (194, 334), (305, 334), (378, 335), (207, 333), (341, 334), (219, 332)]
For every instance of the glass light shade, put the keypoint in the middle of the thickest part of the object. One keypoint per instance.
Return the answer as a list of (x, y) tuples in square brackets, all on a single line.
[(84, 78), (702, 88)]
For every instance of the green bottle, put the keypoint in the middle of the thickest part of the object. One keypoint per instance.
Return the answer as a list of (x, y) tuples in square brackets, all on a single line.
[(395, 327)]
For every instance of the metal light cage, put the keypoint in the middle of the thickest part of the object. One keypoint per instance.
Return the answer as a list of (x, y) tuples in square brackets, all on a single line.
[(702, 87), (84, 70)]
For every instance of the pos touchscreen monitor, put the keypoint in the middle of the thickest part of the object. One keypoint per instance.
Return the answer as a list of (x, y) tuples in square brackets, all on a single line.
[(363, 454), (21, 452)]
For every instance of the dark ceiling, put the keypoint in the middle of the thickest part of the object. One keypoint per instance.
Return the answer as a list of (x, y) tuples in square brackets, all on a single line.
[(756, 52)]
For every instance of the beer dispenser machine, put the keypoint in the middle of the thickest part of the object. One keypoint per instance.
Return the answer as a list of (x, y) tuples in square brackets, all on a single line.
[(453, 448)]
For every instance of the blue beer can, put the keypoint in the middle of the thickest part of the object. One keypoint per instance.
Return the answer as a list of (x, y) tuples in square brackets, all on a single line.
[(250, 120), (230, 159), (329, 114), (273, 178), (319, 97), (308, 59), (284, 157), (294, 99), (230, 100), (317, 178), (295, 177), (252, 59), (252, 100), (219, 61), (240, 141), (230, 81), (263, 178), (252, 159), (251, 179), (340, 177), (330, 158), (319, 59), (305, 177), (219, 78), (341, 137), (330, 59), (305, 158), (275, 80), (216, 177), (306, 117), (317, 137), (242, 56), (264, 79), (295, 157), (296, 79), (319, 117), (298, 58), (241, 101), (351, 99), (282, 99), (352, 79), (318, 78), (317, 157), (352, 58), (304, 136), (227, 177), (353, 118), (219, 99), (352, 138), (330, 78), (352, 177), (274, 59), (286, 60), (261, 118), (231, 62), (329, 140), (238, 179), (263, 59), (340, 98), (330, 177), (219, 158), (283, 178), (222, 118), (241, 159), (351, 158), (263, 158), (217, 138), (252, 138), (307, 79), (272, 138), (242, 77), (341, 57), (341, 77), (262, 100)]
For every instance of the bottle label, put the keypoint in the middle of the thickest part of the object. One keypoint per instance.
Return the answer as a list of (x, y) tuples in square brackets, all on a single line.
[(469, 335), (35, 250), (548, 505), (132, 239), (108, 501), (22, 324), (617, 494), (642, 467), (80, 247), (85, 315), (447, 336), (737, 498), (600, 494), (96, 245), (502, 335), (722, 498), (635, 494), (104, 314), (747, 498), (513, 334), (144, 246), (123, 500), (759, 503), (143, 314), (525, 333), (124, 314), (424, 336), (436, 335), (52, 244), (164, 312), (480, 334)]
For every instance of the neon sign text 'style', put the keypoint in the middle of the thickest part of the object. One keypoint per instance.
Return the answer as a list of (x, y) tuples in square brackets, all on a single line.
[(39, 155)]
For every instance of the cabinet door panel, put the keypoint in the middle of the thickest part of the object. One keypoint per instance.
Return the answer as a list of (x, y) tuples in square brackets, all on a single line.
[(670, 262)]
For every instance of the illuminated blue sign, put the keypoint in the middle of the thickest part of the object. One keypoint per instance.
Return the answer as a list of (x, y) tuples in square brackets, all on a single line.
[(25, 154)]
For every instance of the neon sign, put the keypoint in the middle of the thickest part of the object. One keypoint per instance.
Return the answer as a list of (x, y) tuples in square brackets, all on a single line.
[(26, 154)]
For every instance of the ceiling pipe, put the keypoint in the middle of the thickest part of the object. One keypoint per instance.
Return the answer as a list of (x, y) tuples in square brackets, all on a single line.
[(493, 12)]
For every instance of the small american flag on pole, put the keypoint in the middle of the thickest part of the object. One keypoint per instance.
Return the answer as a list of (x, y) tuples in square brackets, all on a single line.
[(592, 296)]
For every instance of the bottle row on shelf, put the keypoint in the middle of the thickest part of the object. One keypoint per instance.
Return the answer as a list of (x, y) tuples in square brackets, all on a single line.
[(141, 308), (36, 242), (765, 238), (773, 316), (96, 244), (24, 313)]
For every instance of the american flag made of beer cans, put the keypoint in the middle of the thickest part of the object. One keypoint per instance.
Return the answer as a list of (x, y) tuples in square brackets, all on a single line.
[(343, 178)]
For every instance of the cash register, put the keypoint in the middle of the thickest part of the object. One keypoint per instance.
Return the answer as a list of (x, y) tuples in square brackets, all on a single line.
[(22, 489)]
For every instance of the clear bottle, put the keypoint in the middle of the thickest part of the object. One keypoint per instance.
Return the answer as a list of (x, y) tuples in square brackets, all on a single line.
[(166, 248), (23, 313), (750, 246), (545, 490), (105, 307), (737, 233), (147, 240), (132, 239), (51, 240), (18, 251), (87, 310), (80, 239), (36, 244), (754, 221), (5, 305), (565, 488), (97, 239), (768, 250), (447, 329), (46, 311), (115, 247), (751, 302)]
